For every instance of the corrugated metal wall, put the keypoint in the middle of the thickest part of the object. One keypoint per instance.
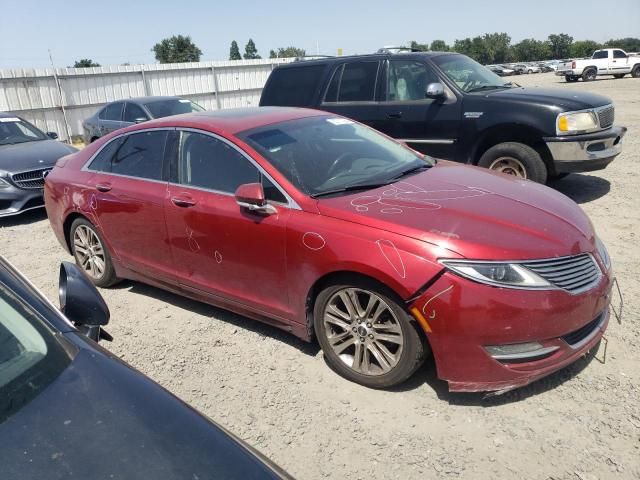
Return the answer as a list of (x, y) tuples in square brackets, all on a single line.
[(33, 93)]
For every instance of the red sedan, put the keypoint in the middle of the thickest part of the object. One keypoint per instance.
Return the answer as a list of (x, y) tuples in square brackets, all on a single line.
[(325, 228)]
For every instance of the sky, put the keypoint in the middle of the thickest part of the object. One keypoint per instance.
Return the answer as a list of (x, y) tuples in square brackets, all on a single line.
[(117, 31)]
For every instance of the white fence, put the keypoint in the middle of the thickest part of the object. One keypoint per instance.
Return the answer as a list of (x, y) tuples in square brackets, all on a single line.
[(34, 93)]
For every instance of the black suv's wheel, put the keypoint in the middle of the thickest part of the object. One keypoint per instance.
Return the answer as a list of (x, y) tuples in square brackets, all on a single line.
[(516, 159), (635, 73), (619, 75), (589, 74), (366, 336), (91, 253)]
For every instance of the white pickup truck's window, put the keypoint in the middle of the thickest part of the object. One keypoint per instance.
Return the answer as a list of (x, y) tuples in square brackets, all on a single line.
[(600, 54)]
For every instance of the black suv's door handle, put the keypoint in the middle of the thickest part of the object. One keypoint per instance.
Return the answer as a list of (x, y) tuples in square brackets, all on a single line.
[(394, 115)]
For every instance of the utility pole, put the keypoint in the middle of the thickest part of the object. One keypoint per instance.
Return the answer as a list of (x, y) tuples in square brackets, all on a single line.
[(64, 113)]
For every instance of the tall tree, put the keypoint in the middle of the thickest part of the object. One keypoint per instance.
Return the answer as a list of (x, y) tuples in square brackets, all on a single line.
[(288, 52), (177, 49), (421, 47), (85, 63), (439, 46), (530, 49), (560, 45), (234, 51), (250, 51), (497, 47), (583, 48), (628, 44)]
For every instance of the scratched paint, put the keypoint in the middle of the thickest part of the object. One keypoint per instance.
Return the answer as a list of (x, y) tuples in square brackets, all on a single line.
[(313, 241), (193, 243), (432, 315), (392, 256), (405, 195), (218, 256)]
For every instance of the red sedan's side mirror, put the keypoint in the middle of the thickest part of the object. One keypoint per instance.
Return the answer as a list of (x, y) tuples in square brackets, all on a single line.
[(251, 197)]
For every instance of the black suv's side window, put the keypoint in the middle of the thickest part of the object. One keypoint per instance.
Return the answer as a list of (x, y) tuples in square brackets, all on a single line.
[(407, 80), (112, 112), (140, 155), (353, 82), (292, 86)]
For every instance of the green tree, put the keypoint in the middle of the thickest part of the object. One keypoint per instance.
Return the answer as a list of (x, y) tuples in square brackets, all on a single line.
[(85, 63), (250, 51), (464, 46), (628, 44), (177, 49), (421, 47), (583, 48), (234, 51), (560, 45), (288, 52), (530, 49), (497, 48), (439, 46)]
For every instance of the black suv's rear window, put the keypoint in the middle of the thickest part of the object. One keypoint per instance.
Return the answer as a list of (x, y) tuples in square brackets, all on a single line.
[(292, 87)]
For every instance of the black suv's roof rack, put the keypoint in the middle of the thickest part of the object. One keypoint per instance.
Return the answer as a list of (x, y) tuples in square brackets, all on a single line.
[(391, 49), (312, 57)]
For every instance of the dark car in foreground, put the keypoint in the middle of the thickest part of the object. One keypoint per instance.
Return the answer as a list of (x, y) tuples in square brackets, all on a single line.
[(70, 409), (26, 155), (451, 107), (123, 113), (328, 229)]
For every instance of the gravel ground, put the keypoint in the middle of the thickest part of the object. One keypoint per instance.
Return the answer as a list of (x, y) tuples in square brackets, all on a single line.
[(276, 392)]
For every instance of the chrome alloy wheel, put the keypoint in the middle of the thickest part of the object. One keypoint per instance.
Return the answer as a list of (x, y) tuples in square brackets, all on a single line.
[(89, 251), (363, 331), (510, 166)]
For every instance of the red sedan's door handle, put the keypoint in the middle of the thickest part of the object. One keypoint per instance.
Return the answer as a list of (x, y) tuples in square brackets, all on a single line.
[(394, 115), (183, 202), (103, 187)]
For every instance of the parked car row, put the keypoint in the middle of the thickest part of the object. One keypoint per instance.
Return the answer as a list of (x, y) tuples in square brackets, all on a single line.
[(331, 222), (519, 68)]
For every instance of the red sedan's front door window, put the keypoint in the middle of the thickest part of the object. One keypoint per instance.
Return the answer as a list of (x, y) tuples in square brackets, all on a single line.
[(217, 246)]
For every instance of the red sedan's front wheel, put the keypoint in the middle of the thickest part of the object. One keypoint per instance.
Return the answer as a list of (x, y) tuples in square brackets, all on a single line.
[(366, 336), (91, 254)]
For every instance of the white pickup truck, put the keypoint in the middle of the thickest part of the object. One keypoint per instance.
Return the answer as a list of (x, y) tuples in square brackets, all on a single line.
[(610, 61)]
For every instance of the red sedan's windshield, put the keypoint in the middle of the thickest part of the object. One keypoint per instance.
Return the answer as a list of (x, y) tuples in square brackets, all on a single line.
[(328, 154)]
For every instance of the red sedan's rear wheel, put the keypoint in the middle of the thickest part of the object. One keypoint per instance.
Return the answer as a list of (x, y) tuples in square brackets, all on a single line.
[(366, 336), (91, 254)]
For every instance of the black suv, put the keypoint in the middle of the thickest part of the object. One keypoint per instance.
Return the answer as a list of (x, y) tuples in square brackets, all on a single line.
[(449, 106)]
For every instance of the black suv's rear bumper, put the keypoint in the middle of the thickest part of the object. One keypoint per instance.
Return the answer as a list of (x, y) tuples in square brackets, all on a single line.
[(585, 153)]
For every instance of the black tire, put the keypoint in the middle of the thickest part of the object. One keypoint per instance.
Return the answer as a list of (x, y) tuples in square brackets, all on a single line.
[(635, 73), (619, 75), (589, 75), (558, 176), (533, 165), (108, 276), (414, 346), (570, 78)]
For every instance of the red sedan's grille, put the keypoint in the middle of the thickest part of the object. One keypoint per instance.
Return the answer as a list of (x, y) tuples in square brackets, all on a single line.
[(580, 334), (574, 274), (30, 180)]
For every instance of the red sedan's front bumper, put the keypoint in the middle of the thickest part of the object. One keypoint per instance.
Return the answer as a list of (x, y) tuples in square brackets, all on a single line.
[(461, 318)]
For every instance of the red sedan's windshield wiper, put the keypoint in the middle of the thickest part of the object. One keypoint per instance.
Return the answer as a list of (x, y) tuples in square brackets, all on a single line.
[(415, 169), (351, 188)]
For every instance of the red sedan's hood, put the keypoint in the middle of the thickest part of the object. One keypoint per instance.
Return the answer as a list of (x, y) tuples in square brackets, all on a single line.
[(472, 211)]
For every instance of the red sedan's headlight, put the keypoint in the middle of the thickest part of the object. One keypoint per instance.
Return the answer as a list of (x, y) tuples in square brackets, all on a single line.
[(498, 274)]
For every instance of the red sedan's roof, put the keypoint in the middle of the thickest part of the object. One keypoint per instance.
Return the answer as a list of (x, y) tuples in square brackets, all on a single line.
[(234, 120)]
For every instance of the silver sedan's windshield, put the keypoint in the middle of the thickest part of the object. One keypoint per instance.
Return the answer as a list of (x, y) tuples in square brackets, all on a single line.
[(468, 74), (325, 155), (15, 130)]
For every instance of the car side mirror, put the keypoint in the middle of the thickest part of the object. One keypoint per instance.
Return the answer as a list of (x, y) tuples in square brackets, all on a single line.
[(435, 90), (251, 196), (140, 120), (52, 135), (81, 303)]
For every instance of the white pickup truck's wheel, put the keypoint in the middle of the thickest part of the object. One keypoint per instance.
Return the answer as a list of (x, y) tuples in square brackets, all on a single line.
[(635, 73), (589, 74)]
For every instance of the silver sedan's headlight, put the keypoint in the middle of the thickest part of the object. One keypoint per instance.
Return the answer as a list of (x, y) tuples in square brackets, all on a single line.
[(510, 275), (570, 123), (602, 252), (4, 183)]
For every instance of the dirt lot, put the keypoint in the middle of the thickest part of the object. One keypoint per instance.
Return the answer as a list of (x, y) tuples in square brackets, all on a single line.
[(277, 393)]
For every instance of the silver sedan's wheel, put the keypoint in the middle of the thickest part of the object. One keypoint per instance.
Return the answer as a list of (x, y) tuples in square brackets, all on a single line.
[(510, 166), (89, 252), (363, 331)]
